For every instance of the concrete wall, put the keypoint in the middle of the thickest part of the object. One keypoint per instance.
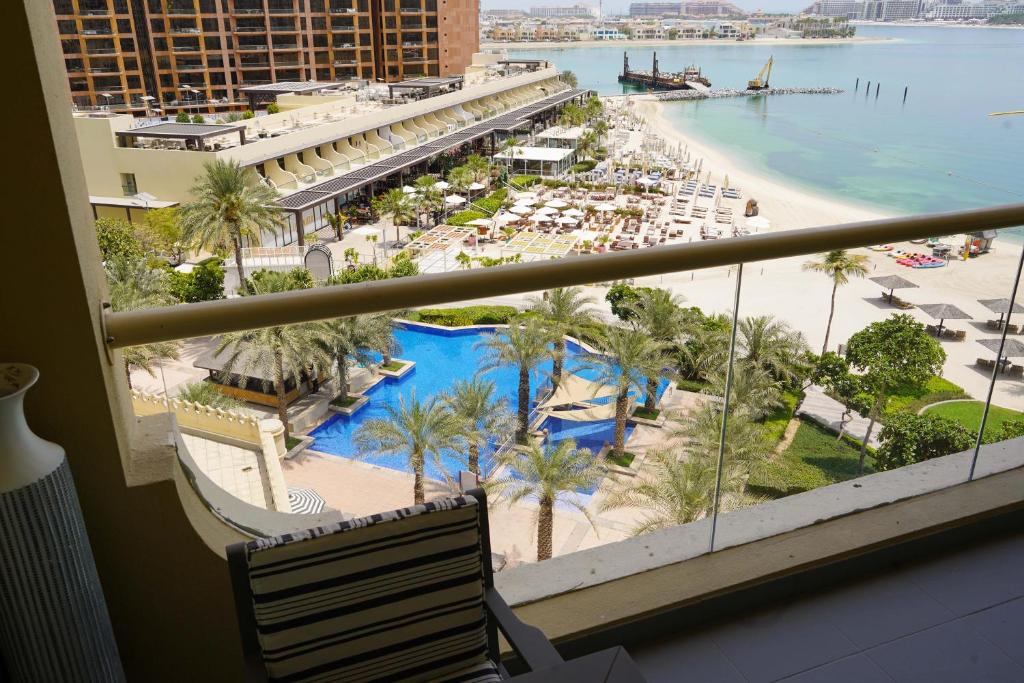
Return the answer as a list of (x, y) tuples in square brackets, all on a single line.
[(168, 593), (458, 35), (226, 424)]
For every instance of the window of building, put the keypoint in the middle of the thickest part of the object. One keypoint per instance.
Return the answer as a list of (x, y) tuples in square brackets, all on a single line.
[(128, 185)]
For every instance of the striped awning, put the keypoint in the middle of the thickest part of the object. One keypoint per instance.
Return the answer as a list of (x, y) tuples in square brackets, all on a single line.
[(305, 501)]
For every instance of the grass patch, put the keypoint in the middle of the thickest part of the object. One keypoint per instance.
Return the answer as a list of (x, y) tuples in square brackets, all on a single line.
[(291, 442), (468, 315), (345, 401), (694, 385), (968, 413), (813, 460), (393, 366), (625, 460), (912, 399), (775, 422), (645, 414)]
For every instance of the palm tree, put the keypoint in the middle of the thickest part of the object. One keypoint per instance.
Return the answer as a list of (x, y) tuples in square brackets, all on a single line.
[(840, 265), (429, 198), (628, 358), (700, 350), (585, 145), (460, 178), (355, 338), (564, 311), (745, 443), (230, 204), (481, 414), (511, 146), (593, 108), (479, 166), (548, 475), (523, 346), (658, 314), (134, 285), (280, 352), (395, 205), (413, 429), (754, 392), (673, 491), (772, 345), (207, 394)]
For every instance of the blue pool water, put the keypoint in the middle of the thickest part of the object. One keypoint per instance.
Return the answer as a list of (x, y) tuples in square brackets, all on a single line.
[(442, 357)]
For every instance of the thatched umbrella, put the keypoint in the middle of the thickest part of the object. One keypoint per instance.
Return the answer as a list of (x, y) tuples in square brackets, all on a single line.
[(944, 312), (893, 282), (1004, 307)]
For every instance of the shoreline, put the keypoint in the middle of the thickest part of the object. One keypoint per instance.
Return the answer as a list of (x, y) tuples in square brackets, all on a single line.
[(664, 42)]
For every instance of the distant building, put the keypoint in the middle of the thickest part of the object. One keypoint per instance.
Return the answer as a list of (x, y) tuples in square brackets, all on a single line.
[(655, 9), (504, 13), (891, 10), (606, 33), (963, 12), (579, 11), (712, 8), (836, 8)]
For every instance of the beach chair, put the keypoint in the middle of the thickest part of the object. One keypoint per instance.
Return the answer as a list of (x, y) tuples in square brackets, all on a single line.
[(404, 595)]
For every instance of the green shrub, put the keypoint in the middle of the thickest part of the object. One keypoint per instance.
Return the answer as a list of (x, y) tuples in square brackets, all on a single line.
[(468, 315), (907, 438), (492, 202), (204, 283), (273, 108), (183, 117), (117, 238), (525, 182), (584, 166), (198, 118), (464, 217), (1011, 429), (248, 114), (207, 394)]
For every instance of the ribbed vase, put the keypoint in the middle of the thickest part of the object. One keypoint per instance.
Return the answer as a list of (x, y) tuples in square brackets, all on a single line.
[(54, 624)]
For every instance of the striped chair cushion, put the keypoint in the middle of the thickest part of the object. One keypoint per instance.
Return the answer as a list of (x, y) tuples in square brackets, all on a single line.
[(396, 596)]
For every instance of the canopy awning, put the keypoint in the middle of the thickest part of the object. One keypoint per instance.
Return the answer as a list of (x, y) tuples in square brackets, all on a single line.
[(574, 389)]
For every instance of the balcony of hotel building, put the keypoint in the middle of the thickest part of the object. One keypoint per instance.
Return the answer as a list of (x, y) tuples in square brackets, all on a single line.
[(911, 574)]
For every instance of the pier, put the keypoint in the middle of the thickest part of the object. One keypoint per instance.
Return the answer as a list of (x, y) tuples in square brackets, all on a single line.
[(709, 94), (655, 79)]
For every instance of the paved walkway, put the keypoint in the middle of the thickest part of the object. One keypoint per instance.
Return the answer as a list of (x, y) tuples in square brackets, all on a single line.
[(828, 412)]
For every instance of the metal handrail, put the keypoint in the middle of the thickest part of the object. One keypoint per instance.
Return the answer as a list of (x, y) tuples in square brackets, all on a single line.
[(131, 328)]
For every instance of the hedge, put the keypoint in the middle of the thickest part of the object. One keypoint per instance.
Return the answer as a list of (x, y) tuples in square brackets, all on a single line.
[(464, 217), (584, 166), (525, 182), (492, 202), (469, 315)]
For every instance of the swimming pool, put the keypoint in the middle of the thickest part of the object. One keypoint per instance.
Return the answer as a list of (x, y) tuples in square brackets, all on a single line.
[(442, 357)]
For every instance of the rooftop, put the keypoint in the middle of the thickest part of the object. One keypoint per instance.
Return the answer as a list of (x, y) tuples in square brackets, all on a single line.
[(536, 153), (291, 87), (181, 131)]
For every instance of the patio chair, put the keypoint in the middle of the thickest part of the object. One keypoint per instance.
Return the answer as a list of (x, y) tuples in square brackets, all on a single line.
[(404, 595)]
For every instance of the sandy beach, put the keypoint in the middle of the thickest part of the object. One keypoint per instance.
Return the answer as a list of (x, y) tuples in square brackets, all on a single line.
[(653, 42), (782, 288)]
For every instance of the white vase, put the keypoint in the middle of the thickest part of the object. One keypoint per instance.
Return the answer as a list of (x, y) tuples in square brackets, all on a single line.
[(54, 624)]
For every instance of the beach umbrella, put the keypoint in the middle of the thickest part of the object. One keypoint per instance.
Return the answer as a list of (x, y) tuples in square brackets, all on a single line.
[(366, 230), (606, 207), (893, 282), (521, 210), (409, 189), (575, 213), (565, 220), (944, 312), (557, 204), (305, 501), (476, 186), (525, 195), (506, 217), (525, 201), (441, 185), (647, 181), (725, 183), (1002, 307), (454, 199), (546, 210), (540, 218), (481, 222), (1012, 348), (758, 223)]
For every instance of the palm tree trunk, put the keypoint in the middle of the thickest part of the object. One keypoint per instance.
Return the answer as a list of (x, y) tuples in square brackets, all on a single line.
[(831, 313), (558, 361), (342, 375), (652, 394), (545, 529), (474, 457), (621, 403), (417, 482), (524, 404), (236, 237), (282, 406), (128, 374)]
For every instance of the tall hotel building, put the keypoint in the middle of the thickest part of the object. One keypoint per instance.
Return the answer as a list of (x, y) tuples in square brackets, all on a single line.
[(194, 55)]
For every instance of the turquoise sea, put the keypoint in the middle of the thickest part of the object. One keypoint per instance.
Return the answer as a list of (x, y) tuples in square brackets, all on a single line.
[(938, 151)]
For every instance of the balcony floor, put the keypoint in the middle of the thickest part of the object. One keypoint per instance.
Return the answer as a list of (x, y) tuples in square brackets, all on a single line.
[(958, 617)]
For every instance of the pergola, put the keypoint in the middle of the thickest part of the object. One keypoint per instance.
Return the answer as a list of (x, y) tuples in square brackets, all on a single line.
[(428, 86), (189, 135), (268, 92)]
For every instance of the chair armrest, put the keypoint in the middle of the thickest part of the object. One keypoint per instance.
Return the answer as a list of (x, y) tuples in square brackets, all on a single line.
[(529, 642)]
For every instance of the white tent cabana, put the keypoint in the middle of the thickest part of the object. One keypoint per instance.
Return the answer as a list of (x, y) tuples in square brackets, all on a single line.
[(574, 213), (566, 220), (454, 199), (557, 203)]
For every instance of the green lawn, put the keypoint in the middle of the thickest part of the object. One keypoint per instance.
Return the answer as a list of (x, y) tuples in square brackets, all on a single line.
[(912, 399), (645, 414), (814, 459), (624, 461), (694, 385), (776, 421), (291, 443), (393, 366), (968, 413), (345, 402)]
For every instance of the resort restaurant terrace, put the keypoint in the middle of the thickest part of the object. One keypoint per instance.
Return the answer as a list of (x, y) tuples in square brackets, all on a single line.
[(246, 381), (421, 88), (550, 162), (258, 95), (181, 136)]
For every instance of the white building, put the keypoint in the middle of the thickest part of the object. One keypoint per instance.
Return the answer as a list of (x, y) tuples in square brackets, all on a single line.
[(606, 33), (964, 12), (577, 11)]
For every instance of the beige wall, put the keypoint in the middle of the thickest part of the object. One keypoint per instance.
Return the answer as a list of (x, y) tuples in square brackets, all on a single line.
[(168, 594), (458, 34)]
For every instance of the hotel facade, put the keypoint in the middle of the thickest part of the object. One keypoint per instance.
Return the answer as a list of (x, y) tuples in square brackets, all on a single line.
[(194, 55)]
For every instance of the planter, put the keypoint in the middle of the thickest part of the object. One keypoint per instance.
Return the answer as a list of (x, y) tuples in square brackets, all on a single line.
[(50, 593), (407, 367), (349, 409)]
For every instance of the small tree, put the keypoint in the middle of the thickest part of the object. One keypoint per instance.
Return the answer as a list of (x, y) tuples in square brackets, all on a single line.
[(891, 353), (482, 415), (569, 78), (117, 239), (273, 108), (907, 438), (204, 283), (564, 310), (523, 346), (183, 117), (161, 232), (395, 205), (833, 373), (464, 260), (198, 118)]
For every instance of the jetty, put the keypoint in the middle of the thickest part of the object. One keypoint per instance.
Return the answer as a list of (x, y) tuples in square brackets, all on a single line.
[(708, 94), (690, 78)]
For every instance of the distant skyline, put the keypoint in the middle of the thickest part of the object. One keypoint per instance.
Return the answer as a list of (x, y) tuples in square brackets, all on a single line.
[(622, 6)]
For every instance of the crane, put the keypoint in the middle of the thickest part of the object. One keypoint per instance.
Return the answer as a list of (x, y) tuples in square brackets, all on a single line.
[(760, 82)]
